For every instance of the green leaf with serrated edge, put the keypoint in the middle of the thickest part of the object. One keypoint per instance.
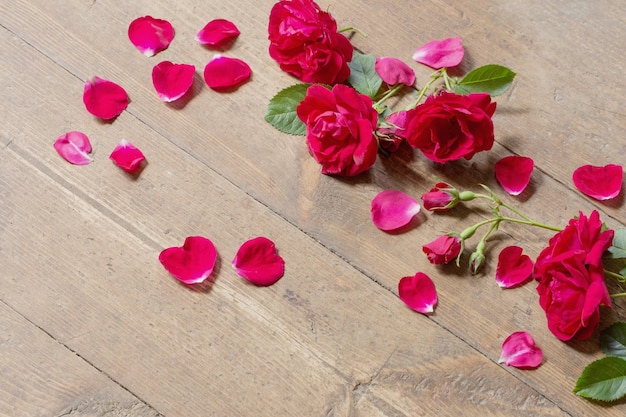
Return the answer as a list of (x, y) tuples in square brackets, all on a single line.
[(618, 248), (281, 110), (603, 380), (363, 76), (613, 340), (492, 79)]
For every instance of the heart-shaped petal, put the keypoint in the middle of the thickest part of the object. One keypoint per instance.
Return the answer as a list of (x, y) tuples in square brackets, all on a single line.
[(418, 292), (217, 33), (172, 81), (104, 98), (74, 147), (257, 260), (149, 35), (223, 73), (519, 350), (438, 54), (513, 173), (193, 262), (392, 209), (127, 156), (513, 268), (599, 182)]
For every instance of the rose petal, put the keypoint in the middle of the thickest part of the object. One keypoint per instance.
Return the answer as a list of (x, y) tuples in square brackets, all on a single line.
[(519, 350), (193, 262), (418, 292), (74, 147), (513, 173), (392, 209), (172, 81), (127, 156), (217, 33), (104, 98), (393, 71), (223, 73), (149, 35), (258, 261), (513, 267), (599, 182), (438, 54)]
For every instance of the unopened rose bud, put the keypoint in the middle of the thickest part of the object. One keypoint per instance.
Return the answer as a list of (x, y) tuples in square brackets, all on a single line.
[(443, 249), (442, 197), (477, 257)]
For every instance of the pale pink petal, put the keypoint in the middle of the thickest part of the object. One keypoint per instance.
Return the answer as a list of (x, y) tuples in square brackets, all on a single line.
[(513, 268), (418, 292), (599, 182), (223, 73), (217, 32), (393, 71), (392, 209), (513, 173), (258, 261), (104, 98), (127, 156), (74, 147), (172, 81), (193, 262), (519, 350), (438, 54), (149, 35)]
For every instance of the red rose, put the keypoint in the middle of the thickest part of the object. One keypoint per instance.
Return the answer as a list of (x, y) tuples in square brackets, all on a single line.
[(571, 277), (443, 249), (305, 43), (339, 129), (448, 126)]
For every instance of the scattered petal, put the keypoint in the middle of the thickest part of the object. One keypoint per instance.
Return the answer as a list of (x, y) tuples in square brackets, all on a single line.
[(513, 173), (127, 156), (599, 182), (393, 71), (513, 268), (519, 350), (149, 35), (104, 98), (193, 262), (172, 81), (392, 209), (217, 32), (258, 261), (443, 249), (438, 54), (418, 292), (74, 147), (222, 73)]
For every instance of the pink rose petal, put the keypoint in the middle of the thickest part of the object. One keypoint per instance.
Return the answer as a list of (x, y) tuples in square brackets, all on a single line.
[(519, 350), (172, 81), (513, 173), (258, 261), (193, 262), (104, 98), (149, 35), (392, 209), (513, 267), (74, 147), (217, 32), (599, 182), (126, 156), (438, 54), (223, 73), (418, 292), (393, 71)]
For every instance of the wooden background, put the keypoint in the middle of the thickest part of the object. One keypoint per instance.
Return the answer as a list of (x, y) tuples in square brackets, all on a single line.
[(92, 325)]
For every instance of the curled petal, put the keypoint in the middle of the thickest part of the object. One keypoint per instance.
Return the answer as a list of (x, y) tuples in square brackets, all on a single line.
[(599, 182), (418, 292), (519, 350), (217, 33), (393, 71), (513, 173), (258, 261), (513, 268), (438, 54), (193, 262), (392, 209), (443, 249), (127, 156), (172, 81), (104, 98), (149, 35), (223, 73), (74, 147)]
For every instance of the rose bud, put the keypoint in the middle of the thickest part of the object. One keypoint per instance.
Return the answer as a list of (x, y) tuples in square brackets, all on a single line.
[(442, 197), (443, 249)]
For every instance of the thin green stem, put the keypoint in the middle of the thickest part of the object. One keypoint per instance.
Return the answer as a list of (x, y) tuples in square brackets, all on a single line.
[(519, 213), (615, 275), (622, 294), (390, 93), (434, 77), (446, 79), (351, 28), (531, 223)]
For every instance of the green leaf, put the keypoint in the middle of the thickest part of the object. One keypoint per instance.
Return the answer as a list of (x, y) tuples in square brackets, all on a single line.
[(603, 380), (613, 340), (492, 79), (363, 76), (281, 111), (618, 249)]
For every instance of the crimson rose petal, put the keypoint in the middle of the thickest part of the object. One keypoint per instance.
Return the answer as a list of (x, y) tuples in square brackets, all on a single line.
[(513, 268), (418, 292), (519, 350), (217, 32), (438, 54), (104, 98), (513, 173), (74, 147), (258, 261), (193, 262), (393, 71), (599, 182), (149, 35), (172, 81), (127, 156), (392, 209), (222, 73)]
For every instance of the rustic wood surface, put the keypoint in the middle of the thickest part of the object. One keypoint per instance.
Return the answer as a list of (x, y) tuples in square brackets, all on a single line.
[(92, 325)]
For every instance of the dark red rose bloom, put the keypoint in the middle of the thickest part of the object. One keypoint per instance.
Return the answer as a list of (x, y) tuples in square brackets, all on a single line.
[(443, 249), (449, 126), (305, 43), (439, 200), (571, 277), (339, 129)]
